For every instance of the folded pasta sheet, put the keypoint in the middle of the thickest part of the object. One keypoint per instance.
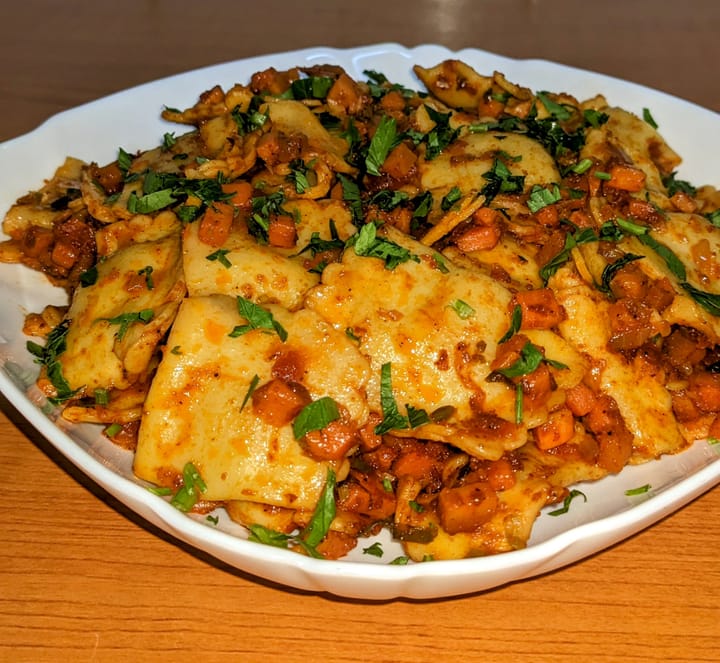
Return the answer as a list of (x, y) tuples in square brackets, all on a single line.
[(200, 406)]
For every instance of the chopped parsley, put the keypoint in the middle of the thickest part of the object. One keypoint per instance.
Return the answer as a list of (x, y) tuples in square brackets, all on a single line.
[(367, 243), (463, 309), (542, 197), (375, 550), (315, 416), (382, 142), (48, 357), (257, 318), (220, 256), (566, 503), (189, 493), (124, 320)]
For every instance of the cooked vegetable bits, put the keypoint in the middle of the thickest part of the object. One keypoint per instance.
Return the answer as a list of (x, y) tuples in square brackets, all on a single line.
[(337, 305)]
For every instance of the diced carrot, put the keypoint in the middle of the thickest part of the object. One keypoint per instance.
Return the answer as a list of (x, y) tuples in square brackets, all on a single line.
[(331, 442), (282, 231), (557, 430), (683, 202), (629, 282), (580, 399), (537, 386), (627, 178), (509, 352), (548, 216), (346, 94), (241, 192), (581, 219), (336, 544), (64, 254), (643, 210), (540, 308), (400, 163), (215, 224), (478, 238), (393, 101), (415, 463), (489, 107), (278, 402), (500, 474), (466, 508), (704, 390), (614, 438)]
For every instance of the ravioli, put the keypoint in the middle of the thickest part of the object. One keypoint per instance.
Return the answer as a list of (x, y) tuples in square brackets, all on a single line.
[(108, 344), (196, 410)]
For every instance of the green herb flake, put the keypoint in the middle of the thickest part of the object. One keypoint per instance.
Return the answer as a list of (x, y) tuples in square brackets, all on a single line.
[(48, 357), (392, 419), (375, 550), (220, 256), (147, 273), (382, 142), (400, 561), (558, 111), (124, 320), (640, 490), (515, 324), (367, 243), (566, 503), (315, 416), (189, 493), (542, 197), (582, 166), (452, 197), (647, 116), (102, 397), (89, 277), (112, 430), (257, 318), (463, 309), (213, 520), (250, 391), (323, 515), (416, 507)]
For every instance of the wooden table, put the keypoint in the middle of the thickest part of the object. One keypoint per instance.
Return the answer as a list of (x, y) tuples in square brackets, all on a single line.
[(83, 579)]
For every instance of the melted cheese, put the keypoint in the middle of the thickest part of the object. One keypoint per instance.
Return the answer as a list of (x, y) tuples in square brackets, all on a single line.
[(194, 411)]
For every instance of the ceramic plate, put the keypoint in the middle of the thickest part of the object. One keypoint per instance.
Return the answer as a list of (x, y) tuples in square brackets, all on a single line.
[(131, 119)]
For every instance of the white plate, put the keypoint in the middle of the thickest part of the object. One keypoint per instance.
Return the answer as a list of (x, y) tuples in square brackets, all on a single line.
[(130, 120)]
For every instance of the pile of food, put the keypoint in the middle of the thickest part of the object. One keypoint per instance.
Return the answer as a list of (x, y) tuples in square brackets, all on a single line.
[(334, 306)]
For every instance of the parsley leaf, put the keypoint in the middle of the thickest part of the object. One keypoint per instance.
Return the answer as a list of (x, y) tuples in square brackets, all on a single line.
[(367, 243), (257, 318), (382, 142), (48, 357), (542, 197), (221, 256), (188, 494), (126, 319), (441, 135), (392, 419), (315, 416), (566, 503)]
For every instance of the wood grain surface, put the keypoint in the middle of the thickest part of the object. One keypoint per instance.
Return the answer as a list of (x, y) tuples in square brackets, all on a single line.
[(84, 579)]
